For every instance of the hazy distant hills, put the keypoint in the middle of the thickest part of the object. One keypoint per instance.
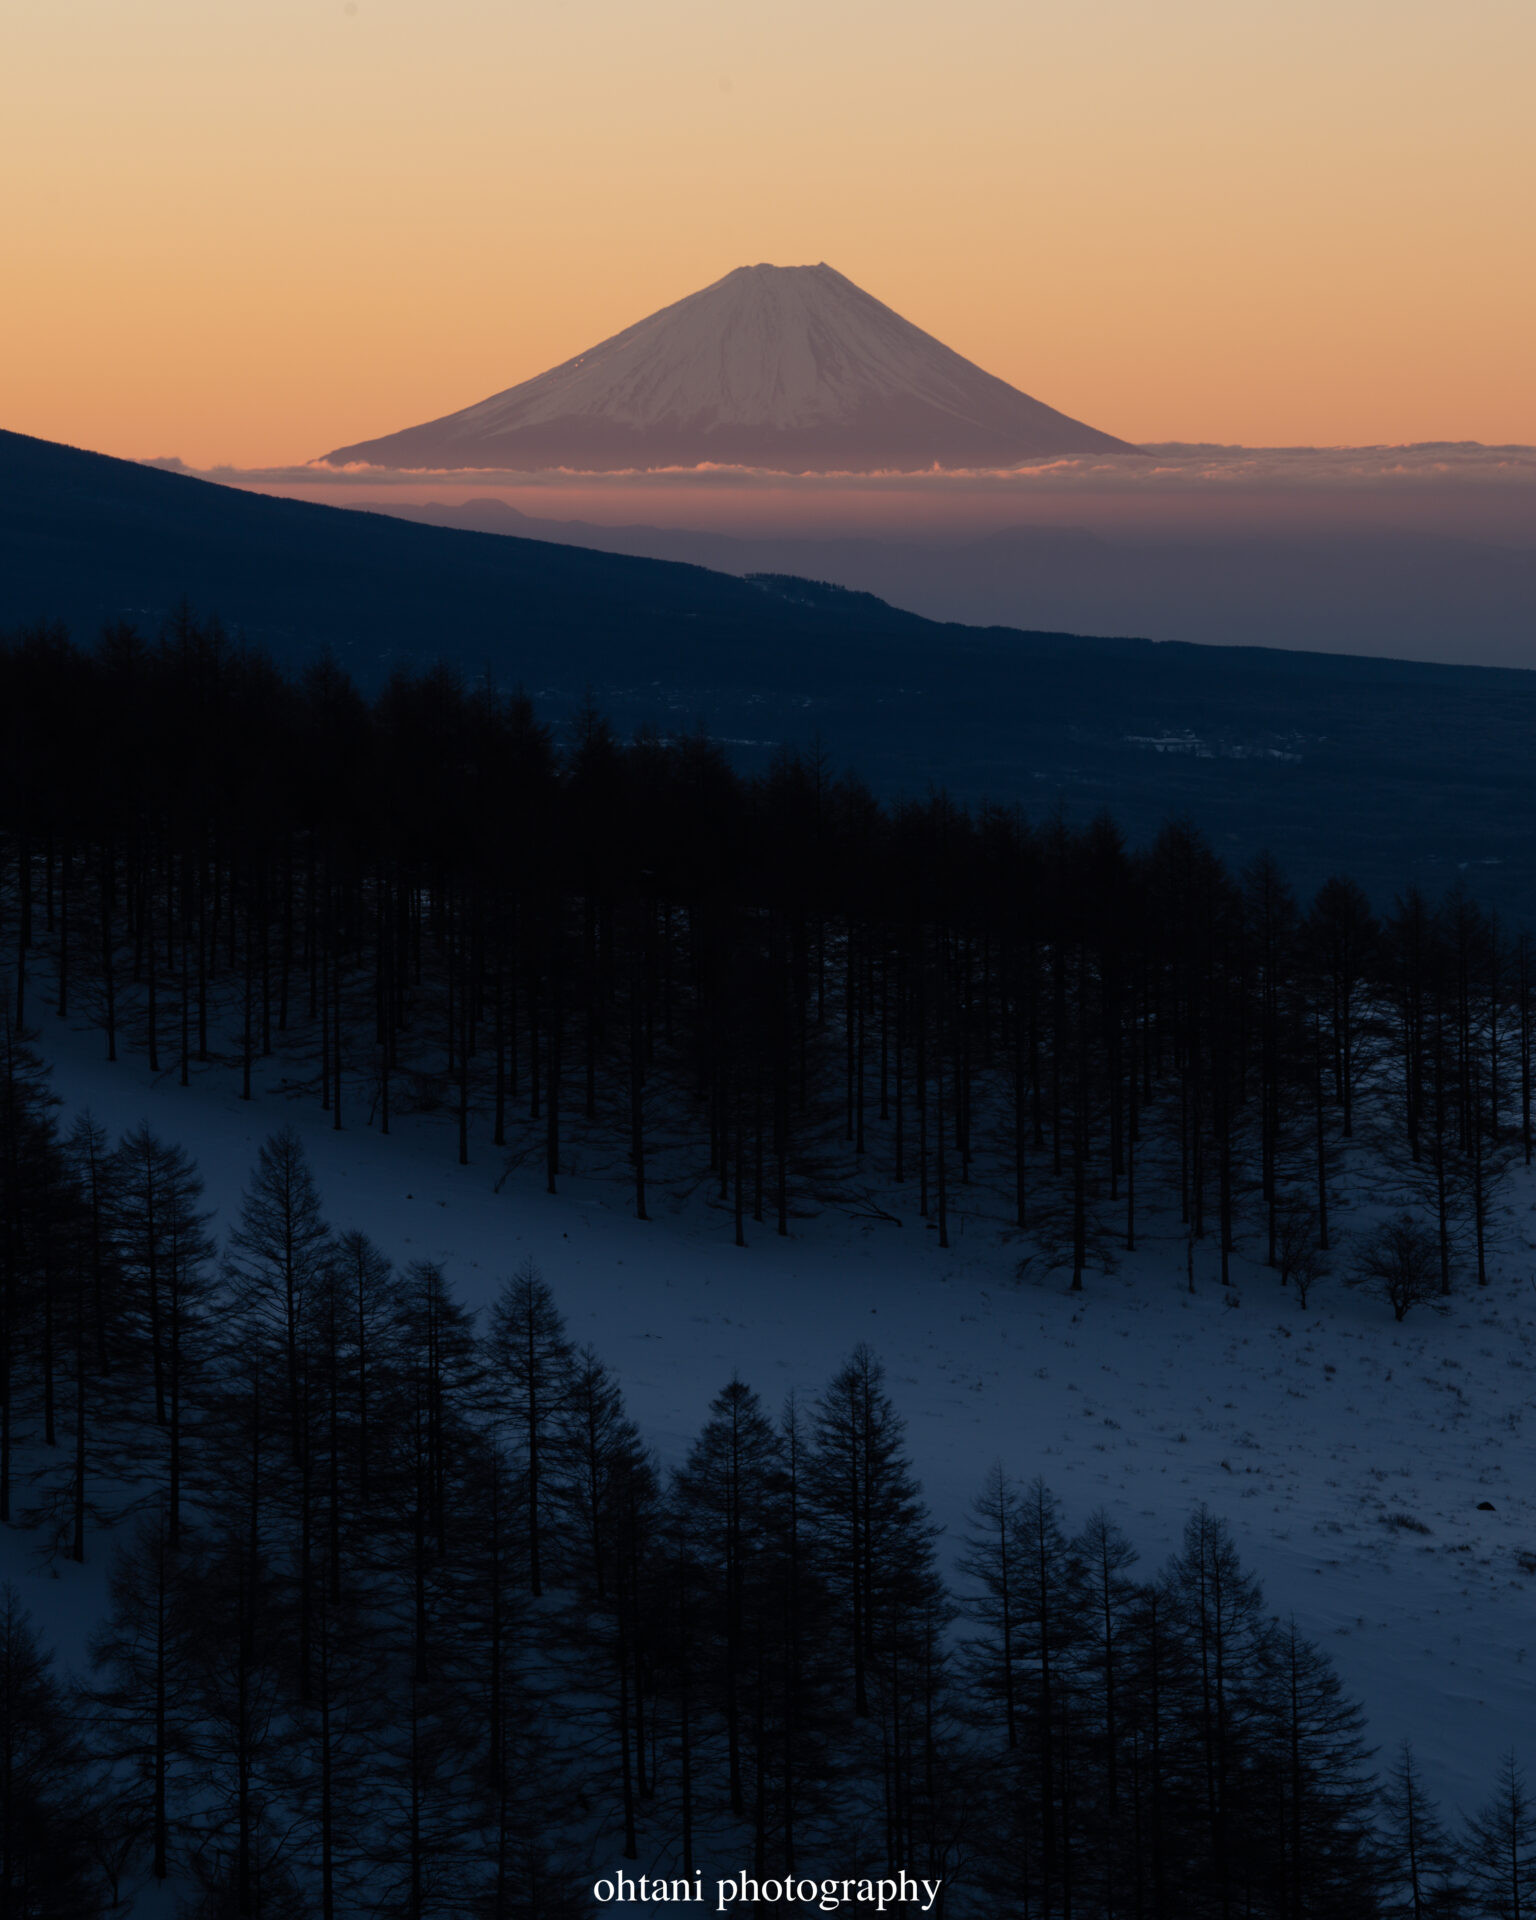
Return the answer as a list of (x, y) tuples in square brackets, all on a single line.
[(1393, 771), (1401, 592), (791, 368)]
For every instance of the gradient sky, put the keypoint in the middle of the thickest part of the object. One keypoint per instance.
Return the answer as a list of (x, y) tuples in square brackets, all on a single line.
[(250, 230)]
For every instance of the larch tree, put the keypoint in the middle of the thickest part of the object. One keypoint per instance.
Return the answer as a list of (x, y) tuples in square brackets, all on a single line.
[(529, 1379), (274, 1252), (1499, 1849)]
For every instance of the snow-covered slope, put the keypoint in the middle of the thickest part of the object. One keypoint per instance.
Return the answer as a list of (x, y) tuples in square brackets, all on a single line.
[(1317, 1434), (793, 368)]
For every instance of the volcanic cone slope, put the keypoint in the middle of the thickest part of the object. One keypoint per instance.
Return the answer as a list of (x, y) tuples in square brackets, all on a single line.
[(790, 368)]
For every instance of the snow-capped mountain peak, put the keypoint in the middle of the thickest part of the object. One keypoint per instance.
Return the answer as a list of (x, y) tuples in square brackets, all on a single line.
[(785, 367)]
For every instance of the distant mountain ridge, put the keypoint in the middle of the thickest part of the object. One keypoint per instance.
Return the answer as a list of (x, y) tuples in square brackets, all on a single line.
[(1389, 770), (1405, 594), (790, 368)]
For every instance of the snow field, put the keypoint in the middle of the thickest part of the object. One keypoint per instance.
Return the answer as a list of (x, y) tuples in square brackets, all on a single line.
[(1350, 1454)]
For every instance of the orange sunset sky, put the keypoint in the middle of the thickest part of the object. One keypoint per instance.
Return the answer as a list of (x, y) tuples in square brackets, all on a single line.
[(250, 230)]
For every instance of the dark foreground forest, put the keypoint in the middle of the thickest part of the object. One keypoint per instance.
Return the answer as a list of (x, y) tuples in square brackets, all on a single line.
[(405, 1618), (631, 957)]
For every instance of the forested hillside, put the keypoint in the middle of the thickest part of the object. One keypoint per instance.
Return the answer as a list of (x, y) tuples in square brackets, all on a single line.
[(1390, 769), (405, 1616), (776, 984)]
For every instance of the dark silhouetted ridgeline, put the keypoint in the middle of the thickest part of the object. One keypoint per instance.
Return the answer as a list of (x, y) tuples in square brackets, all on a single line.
[(1391, 770)]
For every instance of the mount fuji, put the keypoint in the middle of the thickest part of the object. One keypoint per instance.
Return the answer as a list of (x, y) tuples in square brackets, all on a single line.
[(790, 368)]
